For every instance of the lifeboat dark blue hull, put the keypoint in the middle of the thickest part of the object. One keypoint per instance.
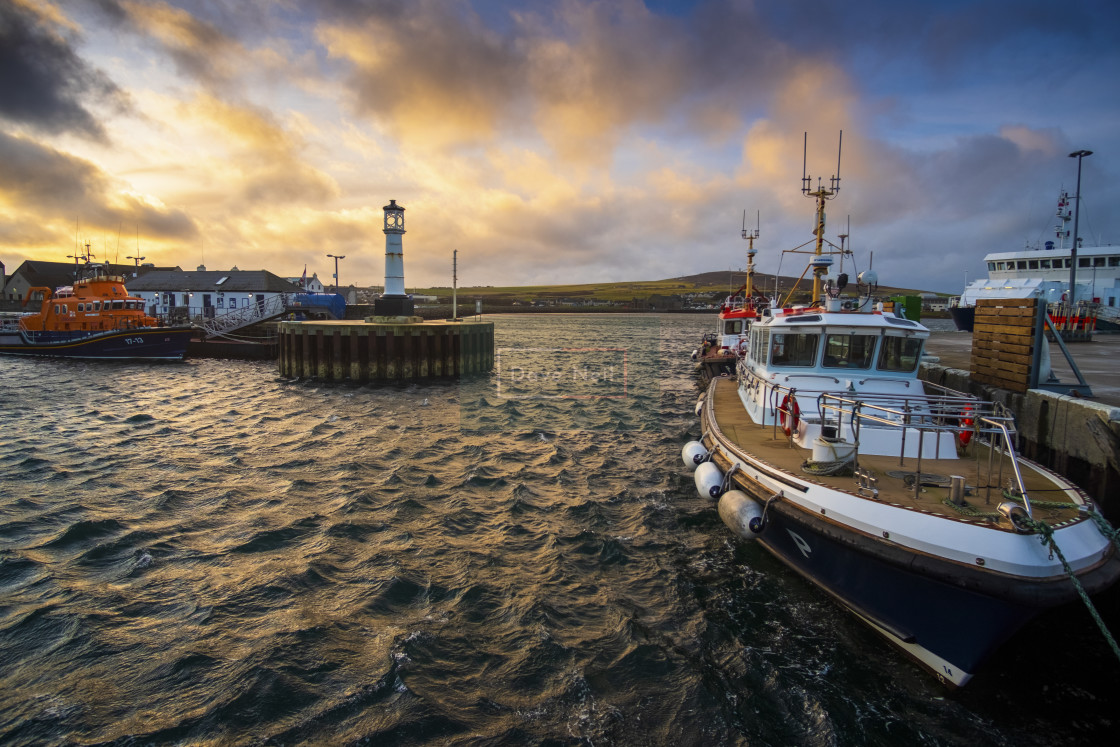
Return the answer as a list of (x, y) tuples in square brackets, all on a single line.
[(145, 343)]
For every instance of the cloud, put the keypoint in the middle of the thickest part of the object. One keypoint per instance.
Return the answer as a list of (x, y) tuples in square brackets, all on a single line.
[(43, 191), (198, 48), (430, 70), (265, 166), (44, 83)]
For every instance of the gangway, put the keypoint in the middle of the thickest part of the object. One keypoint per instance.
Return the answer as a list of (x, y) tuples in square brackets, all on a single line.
[(262, 310)]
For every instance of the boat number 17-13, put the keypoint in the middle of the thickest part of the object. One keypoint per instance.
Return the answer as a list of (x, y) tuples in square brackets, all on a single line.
[(134, 341)]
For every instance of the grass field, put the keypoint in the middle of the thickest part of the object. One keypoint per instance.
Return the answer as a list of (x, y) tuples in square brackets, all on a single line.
[(711, 282)]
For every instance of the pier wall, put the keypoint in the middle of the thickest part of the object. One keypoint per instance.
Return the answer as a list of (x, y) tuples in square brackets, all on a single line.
[(1075, 437), (364, 351)]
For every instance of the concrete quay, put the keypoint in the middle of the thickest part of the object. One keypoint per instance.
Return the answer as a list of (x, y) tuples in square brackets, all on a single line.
[(1076, 437)]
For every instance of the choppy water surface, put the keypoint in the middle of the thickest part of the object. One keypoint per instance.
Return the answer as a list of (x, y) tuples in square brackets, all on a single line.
[(207, 553)]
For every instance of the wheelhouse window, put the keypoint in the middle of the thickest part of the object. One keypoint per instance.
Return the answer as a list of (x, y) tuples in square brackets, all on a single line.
[(760, 341), (899, 354), (733, 326), (794, 349), (991, 266), (848, 351)]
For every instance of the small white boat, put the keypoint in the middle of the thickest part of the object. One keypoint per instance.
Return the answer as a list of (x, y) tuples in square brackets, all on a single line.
[(720, 351), (903, 500)]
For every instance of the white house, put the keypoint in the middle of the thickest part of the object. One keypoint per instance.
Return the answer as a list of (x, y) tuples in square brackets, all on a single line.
[(207, 293), (314, 284)]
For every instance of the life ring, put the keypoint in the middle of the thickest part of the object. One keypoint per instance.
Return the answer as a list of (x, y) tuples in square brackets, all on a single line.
[(790, 414), (742, 347), (965, 436)]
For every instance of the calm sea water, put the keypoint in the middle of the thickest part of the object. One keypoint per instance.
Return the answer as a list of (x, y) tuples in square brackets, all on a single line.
[(204, 553)]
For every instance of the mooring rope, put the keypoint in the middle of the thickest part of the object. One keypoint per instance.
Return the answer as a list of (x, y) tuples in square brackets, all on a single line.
[(842, 467), (1046, 536), (1105, 528)]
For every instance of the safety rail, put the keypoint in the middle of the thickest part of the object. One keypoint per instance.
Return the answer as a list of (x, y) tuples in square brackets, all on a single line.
[(929, 415), (222, 325), (936, 411)]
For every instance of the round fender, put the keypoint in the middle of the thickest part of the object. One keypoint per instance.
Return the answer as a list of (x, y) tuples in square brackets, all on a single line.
[(693, 453), (742, 514), (699, 406), (709, 480)]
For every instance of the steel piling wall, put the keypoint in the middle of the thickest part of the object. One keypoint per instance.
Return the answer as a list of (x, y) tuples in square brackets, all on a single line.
[(374, 351)]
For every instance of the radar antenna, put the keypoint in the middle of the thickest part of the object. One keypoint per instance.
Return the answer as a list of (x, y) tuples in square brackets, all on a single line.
[(750, 236), (820, 262)]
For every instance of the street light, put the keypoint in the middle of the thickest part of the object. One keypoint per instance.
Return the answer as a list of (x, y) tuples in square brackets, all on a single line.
[(1078, 154), (336, 258)]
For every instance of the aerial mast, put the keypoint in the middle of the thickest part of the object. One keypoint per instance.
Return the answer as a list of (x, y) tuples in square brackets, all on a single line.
[(750, 236), (820, 262)]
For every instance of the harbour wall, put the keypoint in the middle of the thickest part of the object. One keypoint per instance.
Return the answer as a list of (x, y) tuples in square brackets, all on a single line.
[(376, 351), (1075, 437)]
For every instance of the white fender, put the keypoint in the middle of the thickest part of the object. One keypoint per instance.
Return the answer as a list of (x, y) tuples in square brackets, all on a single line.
[(741, 513), (699, 406), (709, 480), (693, 453)]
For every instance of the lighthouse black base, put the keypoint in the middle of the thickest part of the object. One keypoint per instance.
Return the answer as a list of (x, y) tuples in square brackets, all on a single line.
[(393, 306)]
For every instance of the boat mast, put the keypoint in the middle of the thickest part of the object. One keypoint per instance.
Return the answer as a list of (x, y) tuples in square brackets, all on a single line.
[(750, 236), (820, 262), (1065, 215)]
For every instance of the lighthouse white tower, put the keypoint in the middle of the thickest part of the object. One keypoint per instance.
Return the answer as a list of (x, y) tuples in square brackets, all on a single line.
[(394, 302)]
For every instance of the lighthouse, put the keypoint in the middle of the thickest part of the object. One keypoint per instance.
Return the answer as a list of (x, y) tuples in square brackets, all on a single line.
[(391, 345), (394, 302)]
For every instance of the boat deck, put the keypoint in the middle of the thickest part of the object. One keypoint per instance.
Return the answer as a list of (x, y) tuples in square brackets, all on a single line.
[(1049, 501)]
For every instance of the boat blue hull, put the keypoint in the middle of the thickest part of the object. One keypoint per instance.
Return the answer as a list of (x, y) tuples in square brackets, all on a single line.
[(910, 608), (148, 343)]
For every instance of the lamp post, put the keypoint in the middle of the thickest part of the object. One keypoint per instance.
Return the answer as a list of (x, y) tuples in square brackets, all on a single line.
[(1078, 154), (336, 258)]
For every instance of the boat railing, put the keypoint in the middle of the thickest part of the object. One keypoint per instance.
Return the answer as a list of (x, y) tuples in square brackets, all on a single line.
[(926, 416), (1007, 446), (780, 401)]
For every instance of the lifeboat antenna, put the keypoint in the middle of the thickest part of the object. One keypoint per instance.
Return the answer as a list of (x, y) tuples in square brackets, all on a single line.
[(750, 236), (843, 237), (820, 262)]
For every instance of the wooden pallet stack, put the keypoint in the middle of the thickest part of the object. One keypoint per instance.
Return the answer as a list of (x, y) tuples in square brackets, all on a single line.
[(1003, 343)]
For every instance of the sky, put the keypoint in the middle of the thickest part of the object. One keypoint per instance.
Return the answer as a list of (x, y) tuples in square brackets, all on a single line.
[(552, 141)]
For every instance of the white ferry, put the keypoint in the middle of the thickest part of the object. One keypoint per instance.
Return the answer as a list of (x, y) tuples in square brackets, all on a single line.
[(1043, 272)]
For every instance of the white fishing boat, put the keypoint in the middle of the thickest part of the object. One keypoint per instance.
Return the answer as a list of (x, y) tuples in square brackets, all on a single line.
[(903, 500), (719, 351)]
